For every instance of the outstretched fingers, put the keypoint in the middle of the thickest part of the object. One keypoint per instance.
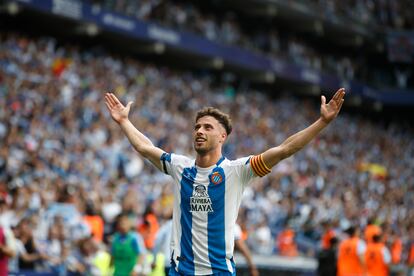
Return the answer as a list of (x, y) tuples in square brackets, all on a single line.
[(341, 95), (110, 102), (340, 104), (341, 98), (115, 99), (338, 94)]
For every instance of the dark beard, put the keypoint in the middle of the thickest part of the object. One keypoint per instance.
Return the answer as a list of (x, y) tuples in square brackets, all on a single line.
[(202, 151)]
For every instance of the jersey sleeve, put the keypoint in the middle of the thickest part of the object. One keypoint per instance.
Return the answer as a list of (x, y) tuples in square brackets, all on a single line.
[(173, 164), (237, 232), (251, 167), (248, 168)]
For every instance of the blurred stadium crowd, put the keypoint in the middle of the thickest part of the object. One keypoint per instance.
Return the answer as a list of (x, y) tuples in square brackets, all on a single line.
[(226, 26), (66, 170)]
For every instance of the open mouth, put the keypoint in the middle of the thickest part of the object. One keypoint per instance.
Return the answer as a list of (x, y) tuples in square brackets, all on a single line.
[(199, 140)]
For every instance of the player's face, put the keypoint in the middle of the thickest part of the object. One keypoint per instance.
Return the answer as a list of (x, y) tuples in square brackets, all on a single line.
[(208, 134)]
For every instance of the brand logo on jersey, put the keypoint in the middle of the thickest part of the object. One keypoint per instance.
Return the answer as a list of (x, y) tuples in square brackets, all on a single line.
[(216, 178), (200, 201)]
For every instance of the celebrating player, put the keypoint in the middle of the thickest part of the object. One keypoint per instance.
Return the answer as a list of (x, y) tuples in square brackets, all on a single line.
[(208, 189)]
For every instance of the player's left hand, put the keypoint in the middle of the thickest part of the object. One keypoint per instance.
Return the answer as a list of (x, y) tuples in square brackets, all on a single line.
[(330, 110)]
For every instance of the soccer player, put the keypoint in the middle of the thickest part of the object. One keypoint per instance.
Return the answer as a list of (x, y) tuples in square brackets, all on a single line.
[(209, 188)]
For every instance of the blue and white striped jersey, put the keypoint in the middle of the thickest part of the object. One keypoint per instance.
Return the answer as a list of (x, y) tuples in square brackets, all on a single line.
[(206, 205)]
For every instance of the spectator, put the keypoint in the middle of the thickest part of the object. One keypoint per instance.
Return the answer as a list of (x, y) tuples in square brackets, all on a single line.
[(396, 246), (29, 256), (162, 244), (351, 254), (327, 235), (240, 245), (7, 243), (51, 251), (377, 257), (260, 239), (371, 230), (286, 243), (95, 222), (149, 227), (327, 259), (127, 254), (228, 29)]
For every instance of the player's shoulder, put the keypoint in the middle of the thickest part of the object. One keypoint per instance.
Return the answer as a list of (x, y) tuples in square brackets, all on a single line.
[(237, 162), (180, 159)]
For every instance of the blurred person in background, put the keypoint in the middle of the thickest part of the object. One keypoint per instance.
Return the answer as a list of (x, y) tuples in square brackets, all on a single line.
[(286, 243), (128, 254), (101, 259), (52, 250), (94, 221), (200, 206), (149, 227), (377, 257), (351, 254), (240, 245), (29, 255), (396, 247), (82, 260), (327, 234), (162, 246), (7, 242), (261, 239), (327, 259), (410, 259), (371, 230)]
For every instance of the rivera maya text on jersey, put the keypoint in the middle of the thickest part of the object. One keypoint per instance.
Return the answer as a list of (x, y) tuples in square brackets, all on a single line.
[(200, 201)]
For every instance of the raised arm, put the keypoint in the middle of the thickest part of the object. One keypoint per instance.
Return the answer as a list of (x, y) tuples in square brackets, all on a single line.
[(297, 141), (139, 141)]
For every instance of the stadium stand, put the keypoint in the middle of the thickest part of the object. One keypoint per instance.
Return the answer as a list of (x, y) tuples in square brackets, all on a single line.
[(230, 27), (63, 162)]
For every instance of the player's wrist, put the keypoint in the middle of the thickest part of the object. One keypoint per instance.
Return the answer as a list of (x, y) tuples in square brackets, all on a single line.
[(123, 121), (324, 122)]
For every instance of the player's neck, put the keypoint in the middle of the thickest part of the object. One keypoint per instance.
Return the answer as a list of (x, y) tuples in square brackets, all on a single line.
[(208, 159)]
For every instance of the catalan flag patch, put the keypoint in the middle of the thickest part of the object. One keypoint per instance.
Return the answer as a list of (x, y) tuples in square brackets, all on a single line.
[(258, 165)]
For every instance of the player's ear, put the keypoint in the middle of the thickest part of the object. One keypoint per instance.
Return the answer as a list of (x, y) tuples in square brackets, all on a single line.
[(223, 137)]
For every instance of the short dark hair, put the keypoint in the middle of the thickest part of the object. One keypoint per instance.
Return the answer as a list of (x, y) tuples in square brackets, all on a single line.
[(333, 241), (376, 238), (221, 117), (351, 230)]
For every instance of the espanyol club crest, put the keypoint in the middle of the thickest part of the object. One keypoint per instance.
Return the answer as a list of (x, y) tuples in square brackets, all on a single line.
[(216, 178)]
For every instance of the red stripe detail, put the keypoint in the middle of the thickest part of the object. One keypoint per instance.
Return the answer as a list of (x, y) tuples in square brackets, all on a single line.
[(258, 171)]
